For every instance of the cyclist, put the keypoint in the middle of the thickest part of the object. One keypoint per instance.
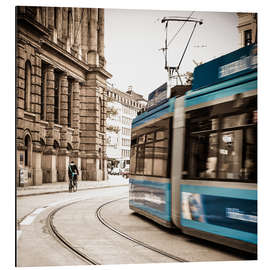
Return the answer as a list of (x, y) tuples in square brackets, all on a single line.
[(73, 174)]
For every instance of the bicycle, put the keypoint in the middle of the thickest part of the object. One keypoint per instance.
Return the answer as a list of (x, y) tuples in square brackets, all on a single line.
[(73, 183)]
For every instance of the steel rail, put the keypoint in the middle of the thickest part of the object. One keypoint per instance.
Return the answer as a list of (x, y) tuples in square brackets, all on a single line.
[(62, 240), (108, 225)]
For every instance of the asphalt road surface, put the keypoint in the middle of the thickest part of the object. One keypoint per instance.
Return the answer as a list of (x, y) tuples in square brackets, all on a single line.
[(79, 224)]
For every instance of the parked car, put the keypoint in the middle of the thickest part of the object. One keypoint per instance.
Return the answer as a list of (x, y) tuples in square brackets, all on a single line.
[(125, 172), (115, 171)]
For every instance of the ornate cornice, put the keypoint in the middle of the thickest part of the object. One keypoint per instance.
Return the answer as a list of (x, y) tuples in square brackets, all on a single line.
[(101, 71), (46, 43), (23, 19)]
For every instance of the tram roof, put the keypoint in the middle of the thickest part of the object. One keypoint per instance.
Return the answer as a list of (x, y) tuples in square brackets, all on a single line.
[(227, 67)]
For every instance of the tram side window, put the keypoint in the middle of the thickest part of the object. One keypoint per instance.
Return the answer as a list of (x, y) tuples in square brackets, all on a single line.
[(238, 147), (133, 151), (226, 150), (250, 165), (140, 158), (203, 158), (230, 154), (161, 153), (150, 152)]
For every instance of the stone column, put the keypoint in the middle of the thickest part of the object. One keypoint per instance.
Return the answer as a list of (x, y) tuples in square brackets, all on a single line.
[(62, 158), (59, 23), (64, 100), (38, 14), (50, 94), (20, 82), (89, 129), (93, 38), (43, 16), (84, 35), (20, 88), (71, 27), (36, 165), (36, 86), (76, 125), (51, 18), (77, 30), (82, 131), (49, 156), (76, 111), (64, 24), (101, 37)]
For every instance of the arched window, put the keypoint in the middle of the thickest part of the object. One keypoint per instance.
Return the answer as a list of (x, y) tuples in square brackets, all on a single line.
[(56, 145), (27, 151), (27, 85), (42, 145), (100, 160), (69, 147)]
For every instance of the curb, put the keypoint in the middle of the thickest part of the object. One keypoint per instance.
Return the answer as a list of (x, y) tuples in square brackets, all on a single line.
[(63, 191)]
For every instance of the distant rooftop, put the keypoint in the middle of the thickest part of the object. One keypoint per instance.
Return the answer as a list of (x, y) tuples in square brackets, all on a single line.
[(129, 98), (130, 94)]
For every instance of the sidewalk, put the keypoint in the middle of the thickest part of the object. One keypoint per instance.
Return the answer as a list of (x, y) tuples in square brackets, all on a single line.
[(63, 186)]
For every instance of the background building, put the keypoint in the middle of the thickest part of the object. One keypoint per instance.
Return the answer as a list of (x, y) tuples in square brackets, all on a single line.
[(60, 87), (247, 26), (123, 107)]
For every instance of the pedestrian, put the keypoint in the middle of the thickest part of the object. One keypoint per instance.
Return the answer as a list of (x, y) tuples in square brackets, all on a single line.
[(73, 174)]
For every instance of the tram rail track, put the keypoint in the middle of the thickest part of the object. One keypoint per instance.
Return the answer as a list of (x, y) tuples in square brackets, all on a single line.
[(84, 257), (108, 225), (63, 241)]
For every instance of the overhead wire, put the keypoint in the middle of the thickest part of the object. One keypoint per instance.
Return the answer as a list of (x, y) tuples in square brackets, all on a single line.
[(186, 46), (180, 29)]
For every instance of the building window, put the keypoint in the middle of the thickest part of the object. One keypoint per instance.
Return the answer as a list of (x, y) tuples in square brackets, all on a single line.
[(248, 37), (56, 96), (28, 84), (100, 160), (100, 114), (56, 145), (27, 151), (69, 147)]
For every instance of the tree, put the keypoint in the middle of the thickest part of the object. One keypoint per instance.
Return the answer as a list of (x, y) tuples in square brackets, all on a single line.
[(188, 78), (110, 113), (189, 75)]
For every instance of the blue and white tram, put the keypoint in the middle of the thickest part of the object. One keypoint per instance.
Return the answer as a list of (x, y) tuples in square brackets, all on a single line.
[(194, 156)]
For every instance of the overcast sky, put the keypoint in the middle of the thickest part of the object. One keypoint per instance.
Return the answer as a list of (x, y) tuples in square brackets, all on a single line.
[(133, 39)]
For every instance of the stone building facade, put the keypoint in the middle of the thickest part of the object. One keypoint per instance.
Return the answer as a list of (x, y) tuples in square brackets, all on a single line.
[(126, 105), (60, 94), (247, 27)]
